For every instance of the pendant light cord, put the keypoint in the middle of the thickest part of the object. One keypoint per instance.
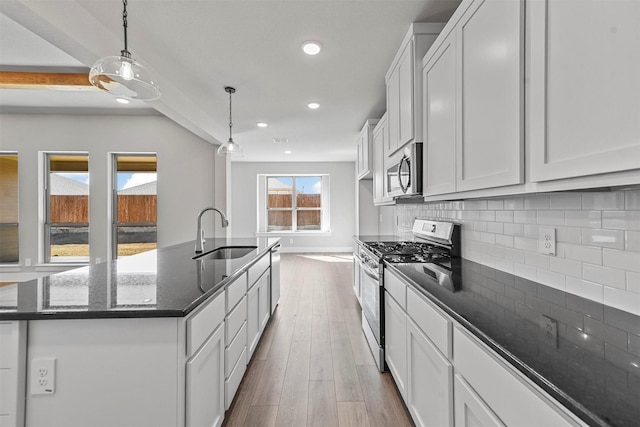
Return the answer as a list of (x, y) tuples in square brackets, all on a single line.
[(125, 52), (230, 121)]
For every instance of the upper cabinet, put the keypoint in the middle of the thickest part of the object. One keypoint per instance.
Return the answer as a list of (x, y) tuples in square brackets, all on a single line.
[(380, 139), (364, 162), (473, 100), (404, 86), (584, 95)]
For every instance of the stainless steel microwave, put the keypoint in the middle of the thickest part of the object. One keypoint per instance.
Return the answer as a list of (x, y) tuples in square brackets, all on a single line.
[(404, 176)]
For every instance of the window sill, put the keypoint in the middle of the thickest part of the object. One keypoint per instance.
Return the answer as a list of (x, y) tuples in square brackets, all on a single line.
[(294, 233), (53, 266)]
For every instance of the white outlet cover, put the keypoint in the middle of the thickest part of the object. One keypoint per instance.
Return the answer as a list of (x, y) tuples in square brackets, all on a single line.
[(547, 240), (43, 375)]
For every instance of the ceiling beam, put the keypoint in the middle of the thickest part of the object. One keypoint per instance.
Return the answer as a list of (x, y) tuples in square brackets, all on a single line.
[(45, 81)]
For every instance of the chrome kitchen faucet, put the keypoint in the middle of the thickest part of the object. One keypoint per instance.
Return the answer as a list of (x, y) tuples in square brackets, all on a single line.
[(200, 231)]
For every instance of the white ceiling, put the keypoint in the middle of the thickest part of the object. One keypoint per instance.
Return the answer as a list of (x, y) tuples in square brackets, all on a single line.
[(196, 47)]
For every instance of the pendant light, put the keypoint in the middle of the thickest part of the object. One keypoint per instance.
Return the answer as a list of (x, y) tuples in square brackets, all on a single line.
[(123, 76), (230, 148)]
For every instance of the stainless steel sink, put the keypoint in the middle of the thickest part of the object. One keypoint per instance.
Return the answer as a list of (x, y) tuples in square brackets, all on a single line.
[(226, 252)]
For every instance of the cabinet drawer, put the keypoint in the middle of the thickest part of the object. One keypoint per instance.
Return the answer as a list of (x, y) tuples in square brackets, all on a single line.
[(235, 291), (436, 325), (396, 287), (235, 320), (203, 323), (233, 382), (233, 352), (513, 399), (256, 270)]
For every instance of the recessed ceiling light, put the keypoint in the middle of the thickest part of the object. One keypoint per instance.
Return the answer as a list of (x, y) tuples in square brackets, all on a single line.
[(280, 140), (122, 100), (311, 47), (313, 105), (262, 124), (287, 152)]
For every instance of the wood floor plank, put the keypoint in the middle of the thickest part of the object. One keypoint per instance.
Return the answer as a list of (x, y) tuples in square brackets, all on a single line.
[(361, 351), (344, 366), (292, 410), (382, 399), (323, 410), (237, 414), (261, 416), (352, 414)]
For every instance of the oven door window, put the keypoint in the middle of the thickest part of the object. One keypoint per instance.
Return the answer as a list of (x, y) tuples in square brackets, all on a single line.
[(370, 290)]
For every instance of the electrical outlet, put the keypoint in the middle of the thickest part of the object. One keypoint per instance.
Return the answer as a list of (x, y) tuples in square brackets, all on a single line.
[(547, 240), (290, 240), (98, 260), (550, 330), (27, 262), (43, 375)]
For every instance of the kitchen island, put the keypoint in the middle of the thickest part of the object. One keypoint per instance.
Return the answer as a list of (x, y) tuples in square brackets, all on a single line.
[(153, 339)]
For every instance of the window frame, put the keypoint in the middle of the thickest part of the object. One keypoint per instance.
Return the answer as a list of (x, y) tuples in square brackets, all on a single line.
[(263, 205), (47, 224), (114, 200)]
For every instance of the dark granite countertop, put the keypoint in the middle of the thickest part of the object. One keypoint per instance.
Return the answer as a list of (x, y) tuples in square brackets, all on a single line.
[(594, 370), (162, 283)]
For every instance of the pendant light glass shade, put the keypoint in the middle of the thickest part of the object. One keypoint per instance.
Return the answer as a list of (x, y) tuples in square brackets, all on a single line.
[(123, 76), (230, 148)]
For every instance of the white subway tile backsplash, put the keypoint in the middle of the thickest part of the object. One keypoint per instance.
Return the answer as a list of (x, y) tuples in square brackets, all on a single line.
[(632, 200), (604, 238), (552, 279), (622, 220), (627, 301), (590, 254), (551, 217), (565, 266), (598, 241), (565, 201), (623, 260), (583, 219), (604, 275), (633, 282), (632, 241), (603, 201), (585, 289)]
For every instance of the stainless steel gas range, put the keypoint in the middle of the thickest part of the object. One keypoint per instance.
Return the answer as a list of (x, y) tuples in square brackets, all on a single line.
[(435, 244)]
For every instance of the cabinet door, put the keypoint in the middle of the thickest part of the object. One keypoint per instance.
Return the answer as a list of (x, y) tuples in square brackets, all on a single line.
[(584, 100), (356, 276), (393, 112), (380, 139), (205, 383), (253, 319), (429, 381), (470, 410), (490, 103), (395, 334), (406, 122), (439, 85)]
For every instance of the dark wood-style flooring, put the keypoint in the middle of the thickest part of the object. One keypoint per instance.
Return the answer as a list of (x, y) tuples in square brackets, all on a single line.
[(313, 366)]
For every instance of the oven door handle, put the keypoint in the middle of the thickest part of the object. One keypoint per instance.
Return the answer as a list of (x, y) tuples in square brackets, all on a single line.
[(368, 272)]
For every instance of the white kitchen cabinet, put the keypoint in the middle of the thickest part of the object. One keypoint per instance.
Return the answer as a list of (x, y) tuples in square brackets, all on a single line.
[(404, 86), (584, 95), (379, 142), (490, 127), (13, 339), (364, 162), (440, 77), (253, 319), (429, 381), (471, 411), (356, 276), (395, 347), (205, 404), (265, 312)]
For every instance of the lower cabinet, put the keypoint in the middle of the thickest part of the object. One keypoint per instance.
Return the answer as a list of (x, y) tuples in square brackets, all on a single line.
[(257, 312), (395, 346), (205, 404), (429, 381), (471, 411)]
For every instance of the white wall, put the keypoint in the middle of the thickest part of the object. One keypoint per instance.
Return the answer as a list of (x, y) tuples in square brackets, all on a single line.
[(244, 209), (185, 172), (598, 239)]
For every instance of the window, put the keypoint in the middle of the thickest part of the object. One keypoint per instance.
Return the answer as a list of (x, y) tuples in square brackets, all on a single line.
[(67, 207), (134, 204), (294, 203), (9, 208)]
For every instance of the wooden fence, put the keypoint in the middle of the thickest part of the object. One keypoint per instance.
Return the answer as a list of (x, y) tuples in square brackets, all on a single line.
[(309, 220), (131, 208)]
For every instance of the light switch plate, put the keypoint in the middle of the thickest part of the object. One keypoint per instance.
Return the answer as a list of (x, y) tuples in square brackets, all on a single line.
[(547, 240)]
